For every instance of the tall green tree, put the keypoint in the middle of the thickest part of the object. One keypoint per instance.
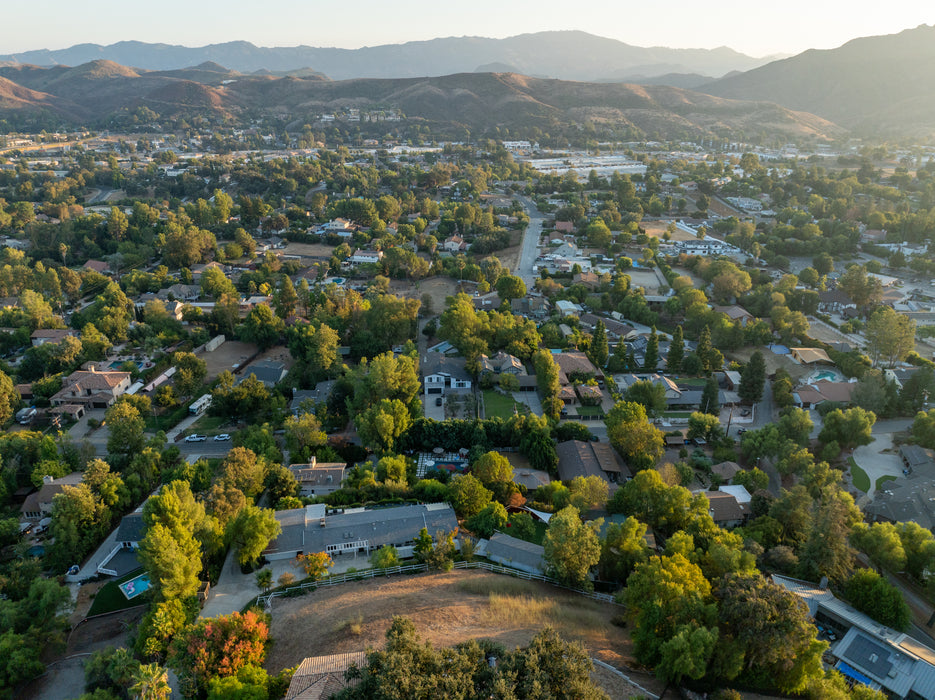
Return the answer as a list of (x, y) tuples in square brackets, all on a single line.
[(599, 349), (753, 379), (251, 532), (676, 352), (572, 548), (651, 357), (710, 401), (890, 336)]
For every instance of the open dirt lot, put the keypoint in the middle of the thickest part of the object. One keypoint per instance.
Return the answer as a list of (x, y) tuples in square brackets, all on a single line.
[(314, 250), (436, 287), (644, 278), (447, 609), (655, 229), (231, 352)]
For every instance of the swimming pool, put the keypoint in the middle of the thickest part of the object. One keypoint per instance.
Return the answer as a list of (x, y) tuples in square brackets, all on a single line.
[(135, 586), (826, 374)]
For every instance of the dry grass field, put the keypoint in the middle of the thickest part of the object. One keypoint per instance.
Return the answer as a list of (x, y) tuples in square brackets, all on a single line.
[(447, 609)]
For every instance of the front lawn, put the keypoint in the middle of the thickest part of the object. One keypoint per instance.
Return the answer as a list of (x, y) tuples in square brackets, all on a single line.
[(589, 411), (859, 476), (497, 405)]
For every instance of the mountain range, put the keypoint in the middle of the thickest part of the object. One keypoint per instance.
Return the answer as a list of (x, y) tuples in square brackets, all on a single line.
[(879, 85), (568, 55), (92, 92), (873, 86)]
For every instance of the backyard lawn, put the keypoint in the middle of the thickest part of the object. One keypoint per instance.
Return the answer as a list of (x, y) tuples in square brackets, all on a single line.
[(110, 597), (881, 482)]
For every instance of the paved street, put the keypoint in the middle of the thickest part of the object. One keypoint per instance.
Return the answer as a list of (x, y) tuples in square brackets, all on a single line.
[(529, 251)]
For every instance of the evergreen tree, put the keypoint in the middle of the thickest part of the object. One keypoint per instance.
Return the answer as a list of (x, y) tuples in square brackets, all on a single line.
[(676, 351), (709, 397), (287, 299), (599, 348), (704, 348), (753, 379), (651, 358)]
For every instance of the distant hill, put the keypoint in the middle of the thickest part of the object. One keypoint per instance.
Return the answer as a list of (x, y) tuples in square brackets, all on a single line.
[(99, 89), (569, 55), (880, 84)]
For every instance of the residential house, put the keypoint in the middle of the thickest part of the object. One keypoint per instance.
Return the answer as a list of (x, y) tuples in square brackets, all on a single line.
[(834, 301), (568, 308), (442, 374), (182, 292), (199, 270), (531, 305), (454, 244), (725, 470), (53, 336), (516, 553), (579, 458), (487, 302), (366, 257), (863, 650), (915, 457), (590, 280), (736, 313), (810, 395), (566, 250), (565, 226), (625, 381), (614, 329), (575, 364), (321, 677), (267, 371), (810, 356), (310, 529), (725, 510), (502, 363), (341, 227), (309, 397), (910, 498), (899, 376), (318, 478), (123, 557), (38, 504), (98, 266), (92, 388)]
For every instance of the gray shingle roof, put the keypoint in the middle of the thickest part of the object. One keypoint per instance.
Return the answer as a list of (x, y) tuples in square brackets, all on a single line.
[(302, 531)]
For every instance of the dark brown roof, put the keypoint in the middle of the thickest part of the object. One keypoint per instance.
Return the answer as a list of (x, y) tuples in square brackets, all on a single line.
[(579, 458), (724, 507)]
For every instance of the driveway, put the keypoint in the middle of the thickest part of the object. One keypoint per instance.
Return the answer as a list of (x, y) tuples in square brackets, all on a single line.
[(872, 460), (235, 589)]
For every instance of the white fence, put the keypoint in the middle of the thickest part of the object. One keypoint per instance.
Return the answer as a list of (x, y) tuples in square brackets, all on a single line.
[(266, 600)]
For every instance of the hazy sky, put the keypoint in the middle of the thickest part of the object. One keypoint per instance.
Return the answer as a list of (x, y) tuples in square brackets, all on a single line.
[(754, 28)]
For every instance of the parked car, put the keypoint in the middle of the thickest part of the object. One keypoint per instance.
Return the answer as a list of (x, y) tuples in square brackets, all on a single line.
[(196, 438), (223, 437), (438, 400)]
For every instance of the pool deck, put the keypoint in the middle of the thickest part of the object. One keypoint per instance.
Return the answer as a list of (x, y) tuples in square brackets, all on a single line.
[(428, 461)]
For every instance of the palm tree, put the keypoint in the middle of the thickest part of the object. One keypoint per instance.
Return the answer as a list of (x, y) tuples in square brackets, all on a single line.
[(151, 682), (264, 579)]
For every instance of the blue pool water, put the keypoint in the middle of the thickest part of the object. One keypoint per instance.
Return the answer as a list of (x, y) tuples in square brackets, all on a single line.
[(135, 586)]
